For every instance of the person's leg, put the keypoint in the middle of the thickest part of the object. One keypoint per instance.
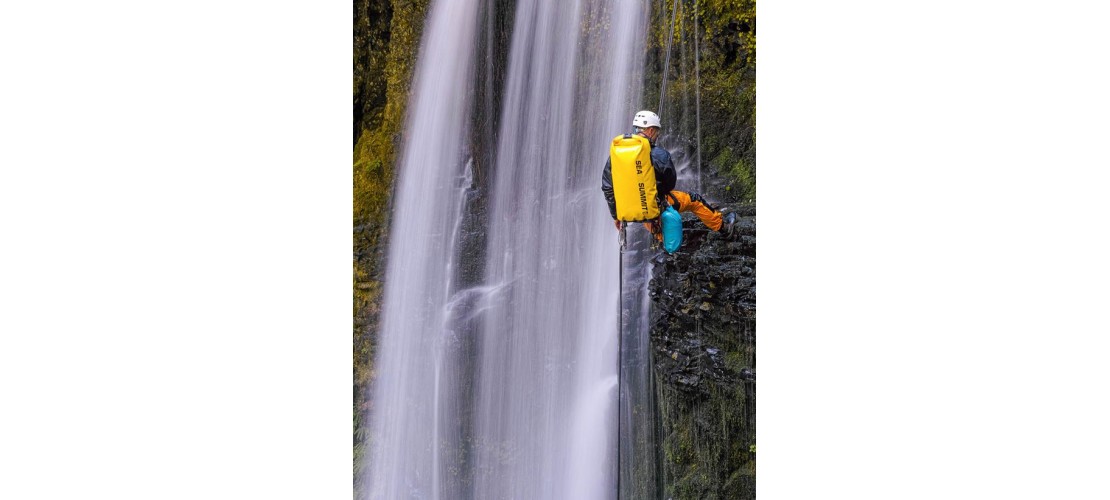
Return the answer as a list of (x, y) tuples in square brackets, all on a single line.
[(692, 202)]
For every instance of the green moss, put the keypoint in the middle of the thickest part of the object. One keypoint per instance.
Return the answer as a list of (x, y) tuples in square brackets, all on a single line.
[(375, 153), (387, 36), (707, 439), (739, 173), (726, 40)]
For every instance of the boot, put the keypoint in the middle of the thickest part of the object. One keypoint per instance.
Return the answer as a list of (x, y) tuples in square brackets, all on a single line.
[(728, 224)]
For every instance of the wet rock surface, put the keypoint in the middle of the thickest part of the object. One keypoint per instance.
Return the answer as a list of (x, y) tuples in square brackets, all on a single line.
[(703, 341)]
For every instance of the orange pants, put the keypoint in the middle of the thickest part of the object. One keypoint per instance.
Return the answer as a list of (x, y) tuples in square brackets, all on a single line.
[(683, 202)]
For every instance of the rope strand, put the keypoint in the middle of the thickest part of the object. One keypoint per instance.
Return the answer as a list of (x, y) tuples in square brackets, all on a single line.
[(697, 93), (620, 351), (667, 63)]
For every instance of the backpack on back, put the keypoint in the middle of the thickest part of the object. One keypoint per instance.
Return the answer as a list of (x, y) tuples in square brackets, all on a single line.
[(633, 178)]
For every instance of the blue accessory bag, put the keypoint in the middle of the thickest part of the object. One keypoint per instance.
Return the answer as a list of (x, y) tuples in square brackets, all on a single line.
[(672, 229)]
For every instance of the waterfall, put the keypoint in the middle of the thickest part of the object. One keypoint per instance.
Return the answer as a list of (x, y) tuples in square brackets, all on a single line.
[(507, 388), (416, 395)]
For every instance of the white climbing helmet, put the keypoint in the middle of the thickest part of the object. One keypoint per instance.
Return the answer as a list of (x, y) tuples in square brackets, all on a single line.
[(645, 119)]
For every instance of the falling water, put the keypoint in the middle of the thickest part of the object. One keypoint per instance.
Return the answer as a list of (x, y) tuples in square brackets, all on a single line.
[(507, 388), (549, 351), (416, 393)]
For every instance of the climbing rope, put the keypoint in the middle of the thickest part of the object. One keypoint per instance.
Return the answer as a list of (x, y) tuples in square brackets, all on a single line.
[(667, 61), (697, 93), (620, 348), (623, 240), (675, 6)]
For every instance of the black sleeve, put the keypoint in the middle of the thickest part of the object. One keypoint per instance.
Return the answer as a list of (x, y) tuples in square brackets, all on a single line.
[(607, 188), (665, 174)]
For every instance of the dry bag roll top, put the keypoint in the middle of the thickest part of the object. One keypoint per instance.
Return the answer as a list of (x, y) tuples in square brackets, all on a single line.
[(633, 178)]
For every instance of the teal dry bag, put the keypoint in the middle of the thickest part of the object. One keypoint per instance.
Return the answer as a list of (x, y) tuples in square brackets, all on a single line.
[(672, 229)]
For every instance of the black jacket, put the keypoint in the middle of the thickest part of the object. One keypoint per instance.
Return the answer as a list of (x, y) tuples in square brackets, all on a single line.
[(665, 177)]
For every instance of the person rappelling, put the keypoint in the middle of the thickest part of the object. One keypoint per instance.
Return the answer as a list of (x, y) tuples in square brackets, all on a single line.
[(638, 183)]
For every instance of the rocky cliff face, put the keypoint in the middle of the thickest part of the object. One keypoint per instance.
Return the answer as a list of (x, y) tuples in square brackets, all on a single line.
[(703, 297), (712, 62), (703, 338)]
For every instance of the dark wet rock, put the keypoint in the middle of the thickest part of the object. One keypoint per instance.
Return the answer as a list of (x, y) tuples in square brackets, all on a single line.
[(703, 338)]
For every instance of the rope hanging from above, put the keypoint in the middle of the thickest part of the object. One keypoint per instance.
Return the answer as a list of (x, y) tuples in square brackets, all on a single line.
[(667, 62)]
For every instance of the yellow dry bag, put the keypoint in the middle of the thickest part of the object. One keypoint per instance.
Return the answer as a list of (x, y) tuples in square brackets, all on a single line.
[(633, 178)]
